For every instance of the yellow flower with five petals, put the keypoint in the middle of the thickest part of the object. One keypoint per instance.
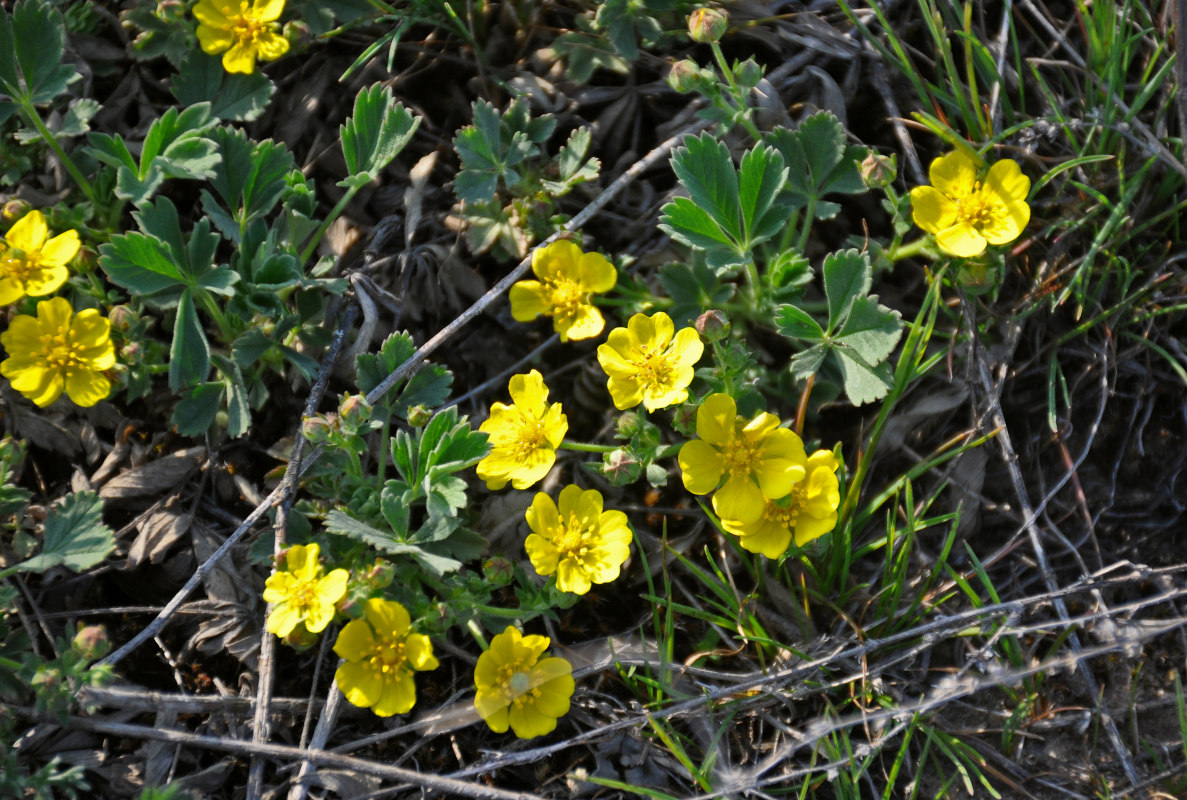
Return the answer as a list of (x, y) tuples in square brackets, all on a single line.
[(806, 513), (301, 593), (58, 351), (568, 278), (757, 458), (523, 436), (576, 539), (648, 362), (242, 31), (380, 653), (30, 262), (520, 686), (965, 212)]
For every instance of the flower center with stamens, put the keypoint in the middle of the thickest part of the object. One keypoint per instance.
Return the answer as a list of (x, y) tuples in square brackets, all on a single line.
[(566, 296), (528, 436), (60, 353), (388, 659), (654, 366), (740, 457), (515, 683), (18, 264), (572, 539), (975, 208), (786, 510), (244, 27)]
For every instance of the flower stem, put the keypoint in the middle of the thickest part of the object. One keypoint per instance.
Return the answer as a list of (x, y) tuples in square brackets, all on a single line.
[(33, 118), (476, 631), (739, 97), (585, 447), (802, 410), (910, 249), (307, 253)]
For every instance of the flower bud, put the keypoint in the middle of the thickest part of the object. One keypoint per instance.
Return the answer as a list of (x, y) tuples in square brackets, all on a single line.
[(91, 642), (171, 10), (684, 76), (748, 73), (317, 429), (381, 574), (713, 325), (684, 421), (627, 424), (498, 570), (15, 209), (878, 171), (621, 467), (298, 34), (354, 411), (707, 25), (121, 317), (419, 416), (300, 639)]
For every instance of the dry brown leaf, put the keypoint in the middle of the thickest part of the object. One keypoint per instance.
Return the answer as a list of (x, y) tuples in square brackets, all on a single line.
[(157, 530), (154, 477)]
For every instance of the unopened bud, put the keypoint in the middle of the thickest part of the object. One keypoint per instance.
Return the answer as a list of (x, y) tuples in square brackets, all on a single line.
[(878, 171), (121, 317), (627, 424), (317, 429), (621, 467), (171, 10), (91, 642), (707, 25), (354, 410), (298, 34), (748, 73), (419, 416), (381, 574), (685, 76), (15, 209), (684, 420), (713, 325), (498, 570)]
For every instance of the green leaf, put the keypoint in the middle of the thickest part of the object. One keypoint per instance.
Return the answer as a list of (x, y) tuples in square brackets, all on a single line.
[(796, 323), (195, 412), (583, 52), (32, 41), (728, 212), (847, 276), (337, 522), (378, 131), (232, 96), (492, 147), (394, 505), (871, 330), (572, 166), (75, 536), (819, 163), (141, 264), (250, 180), (189, 355), (863, 383)]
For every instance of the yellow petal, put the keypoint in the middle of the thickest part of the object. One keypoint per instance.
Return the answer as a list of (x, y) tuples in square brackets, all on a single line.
[(60, 249), (688, 347), (700, 466), (54, 314), (528, 722), (267, 10), (583, 322), (767, 538), (270, 46), (557, 259), (961, 240), (1008, 221), (528, 392), (741, 497), (528, 301), (28, 233), (241, 58), (1005, 179), (954, 174), (86, 388), (362, 685), (45, 281), (11, 290), (715, 419), (493, 709), (418, 649), (214, 40), (387, 617), (355, 641), (932, 211), (808, 528), (595, 273), (570, 577), (283, 619), (398, 696), (213, 14)]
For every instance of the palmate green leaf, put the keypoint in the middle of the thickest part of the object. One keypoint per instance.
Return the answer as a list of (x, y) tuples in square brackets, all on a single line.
[(141, 264), (584, 52), (374, 135), (196, 410), (861, 332), (728, 212), (32, 40), (492, 147), (232, 96), (250, 180), (75, 536), (189, 354), (337, 522), (819, 163), (571, 165), (428, 387)]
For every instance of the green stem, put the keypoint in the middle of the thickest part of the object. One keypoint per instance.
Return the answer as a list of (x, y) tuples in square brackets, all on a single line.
[(384, 441), (917, 247), (307, 253), (584, 447), (476, 632), (34, 119), (805, 232), (226, 332), (736, 92)]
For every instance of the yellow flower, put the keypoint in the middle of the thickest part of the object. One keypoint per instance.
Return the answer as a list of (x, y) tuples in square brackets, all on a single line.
[(242, 31), (300, 593), (519, 686), (808, 512), (578, 541), (30, 265), (647, 364), (59, 350), (523, 436), (757, 458), (380, 653), (965, 213), (568, 278)]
